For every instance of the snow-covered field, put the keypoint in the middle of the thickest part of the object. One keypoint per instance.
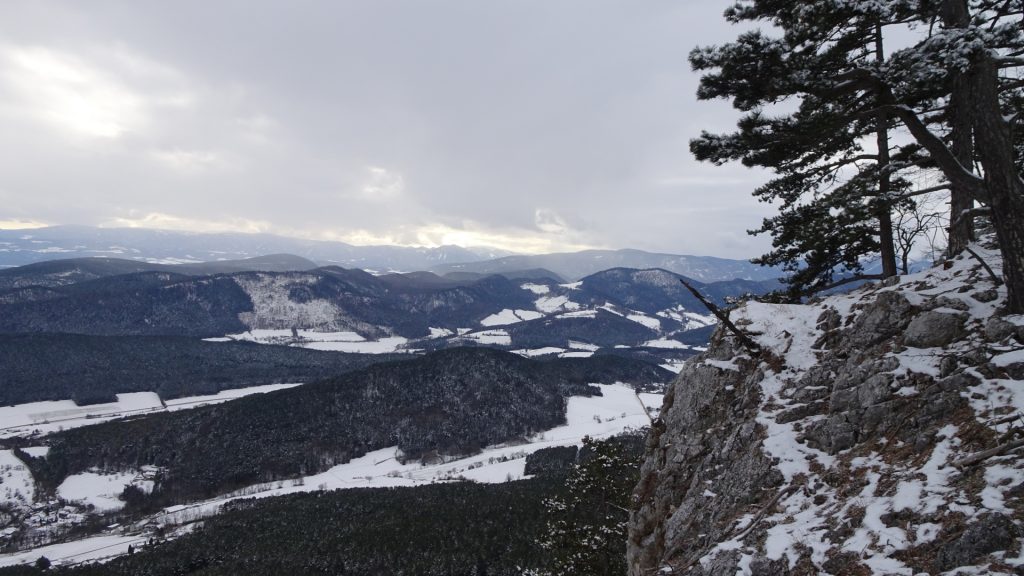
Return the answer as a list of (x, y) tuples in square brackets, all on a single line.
[(85, 550), (16, 484), (507, 316), (383, 346), (102, 490), (52, 416), (552, 304), (538, 289), (333, 341), (618, 409), (645, 320), (498, 337)]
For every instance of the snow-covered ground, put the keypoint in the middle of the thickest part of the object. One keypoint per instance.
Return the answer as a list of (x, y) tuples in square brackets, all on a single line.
[(645, 320), (618, 409), (507, 316), (804, 519), (537, 289), (552, 304), (36, 418), (498, 337), (102, 490), (92, 549), (383, 346), (16, 484), (345, 341), (274, 308), (666, 343), (689, 320), (274, 336)]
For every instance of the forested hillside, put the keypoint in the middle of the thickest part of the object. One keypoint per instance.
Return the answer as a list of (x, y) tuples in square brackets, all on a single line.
[(447, 403), (92, 369)]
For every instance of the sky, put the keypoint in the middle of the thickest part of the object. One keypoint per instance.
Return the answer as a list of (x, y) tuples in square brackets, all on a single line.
[(526, 125)]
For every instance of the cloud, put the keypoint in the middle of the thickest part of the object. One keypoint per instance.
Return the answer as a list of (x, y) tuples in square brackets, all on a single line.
[(186, 160), (171, 222), (343, 119), (549, 221), (68, 93), (19, 224), (382, 184), (514, 240)]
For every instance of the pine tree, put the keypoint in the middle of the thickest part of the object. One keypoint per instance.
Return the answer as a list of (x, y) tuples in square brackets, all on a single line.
[(835, 195), (587, 522), (946, 93), (968, 122)]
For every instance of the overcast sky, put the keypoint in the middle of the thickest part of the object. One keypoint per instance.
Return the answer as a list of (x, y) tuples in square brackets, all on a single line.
[(527, 125)]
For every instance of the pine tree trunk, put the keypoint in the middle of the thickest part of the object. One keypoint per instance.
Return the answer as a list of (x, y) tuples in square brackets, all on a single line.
[(887, 246), (961, 228), (1005, 187)]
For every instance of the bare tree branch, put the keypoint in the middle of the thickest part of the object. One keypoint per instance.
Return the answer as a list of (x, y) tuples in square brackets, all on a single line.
[(742, 336)]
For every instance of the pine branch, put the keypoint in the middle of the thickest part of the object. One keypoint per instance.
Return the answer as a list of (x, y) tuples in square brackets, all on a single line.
[(941, 154), (972, 213), (991, 273), (923, 191), (723, 317)]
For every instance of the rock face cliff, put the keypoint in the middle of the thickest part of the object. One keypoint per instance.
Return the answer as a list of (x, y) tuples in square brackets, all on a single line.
[(878, 432)]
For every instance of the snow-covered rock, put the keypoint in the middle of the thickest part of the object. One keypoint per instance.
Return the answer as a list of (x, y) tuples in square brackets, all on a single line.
[(876, 432)]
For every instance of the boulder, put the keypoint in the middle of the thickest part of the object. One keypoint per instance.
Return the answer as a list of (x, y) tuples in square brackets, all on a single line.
[(887, 315), (997, 329), (990, 533), (932, 329)]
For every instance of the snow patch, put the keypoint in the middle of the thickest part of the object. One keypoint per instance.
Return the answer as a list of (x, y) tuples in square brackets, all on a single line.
[(101, 489), (507, 316), (536, 288)]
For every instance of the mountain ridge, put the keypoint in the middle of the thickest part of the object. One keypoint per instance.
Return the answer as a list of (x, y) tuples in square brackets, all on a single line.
[(20, 247), (577, 265)]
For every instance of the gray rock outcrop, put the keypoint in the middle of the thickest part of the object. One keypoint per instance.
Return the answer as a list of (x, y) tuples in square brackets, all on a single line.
[(836, 451)]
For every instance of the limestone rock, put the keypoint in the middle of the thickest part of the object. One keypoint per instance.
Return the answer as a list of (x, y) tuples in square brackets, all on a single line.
[(997, 329), (884, 317), (989, 534), (932, 329)]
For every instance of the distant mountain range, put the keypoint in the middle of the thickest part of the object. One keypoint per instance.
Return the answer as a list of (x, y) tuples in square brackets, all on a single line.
[(20, 247), (618, 311), (576, 265), (52, 273)]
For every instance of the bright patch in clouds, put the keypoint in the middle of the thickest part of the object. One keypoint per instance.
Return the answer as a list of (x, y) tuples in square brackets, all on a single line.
[(521, 241), (18, 224), (382, 184), (186, 160), (473, 235), (70, 94), (162, 221), (102, 93), (430, 235), (549, 221)]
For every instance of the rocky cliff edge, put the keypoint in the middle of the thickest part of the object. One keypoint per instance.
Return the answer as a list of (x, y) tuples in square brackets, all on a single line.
[(879, 432)]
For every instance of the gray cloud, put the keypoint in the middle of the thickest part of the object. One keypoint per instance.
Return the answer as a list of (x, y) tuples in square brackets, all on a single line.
[(533, 125)]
